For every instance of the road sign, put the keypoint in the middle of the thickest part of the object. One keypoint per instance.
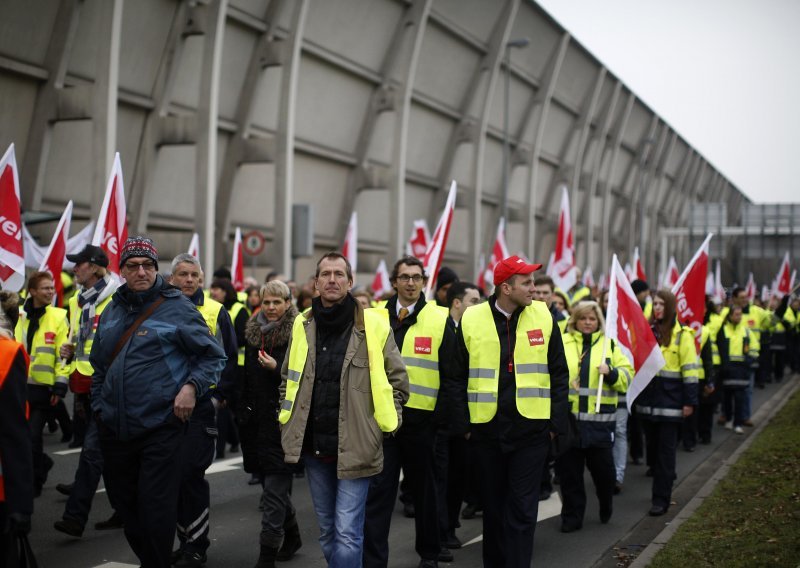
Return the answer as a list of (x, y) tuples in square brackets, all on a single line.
[(253, 243)]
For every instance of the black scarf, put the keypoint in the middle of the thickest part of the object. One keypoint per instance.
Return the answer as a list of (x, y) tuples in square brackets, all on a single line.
[(34, 315), (335, 318)]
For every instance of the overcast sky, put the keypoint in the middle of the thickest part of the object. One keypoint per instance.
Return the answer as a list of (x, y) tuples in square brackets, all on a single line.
[(725, 74)]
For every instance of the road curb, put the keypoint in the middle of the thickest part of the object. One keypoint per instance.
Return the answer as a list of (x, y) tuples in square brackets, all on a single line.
[(762, 417)]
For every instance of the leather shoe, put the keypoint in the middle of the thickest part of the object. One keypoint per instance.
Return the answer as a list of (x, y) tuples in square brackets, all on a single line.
[(408, 510), (65, 488), (544, 495), (605, 516), (469, 512), (428, 564), (113, 522), (657, 511), (565, 528), (617, 488), (70, 527), (446, 555), (452, 541)]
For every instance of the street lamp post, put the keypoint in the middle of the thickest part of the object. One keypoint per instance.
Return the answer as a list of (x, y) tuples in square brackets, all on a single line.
[(519, 44)]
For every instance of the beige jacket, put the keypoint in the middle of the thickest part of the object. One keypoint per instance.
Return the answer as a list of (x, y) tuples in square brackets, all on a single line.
[(360, 438)]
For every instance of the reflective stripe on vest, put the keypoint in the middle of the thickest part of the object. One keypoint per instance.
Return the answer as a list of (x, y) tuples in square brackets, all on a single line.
[(234, 312), (376, 330), (654, 411), (52, 332), (532, 376), (421, 355)]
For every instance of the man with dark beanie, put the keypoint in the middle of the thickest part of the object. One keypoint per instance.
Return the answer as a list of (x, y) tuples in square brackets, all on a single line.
[(153, 357), (446, 278)]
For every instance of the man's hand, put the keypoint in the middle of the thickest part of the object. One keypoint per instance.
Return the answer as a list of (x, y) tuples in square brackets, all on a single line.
[(67, 351), (184, 402), (688, 411), (54, 398), (603, 369)]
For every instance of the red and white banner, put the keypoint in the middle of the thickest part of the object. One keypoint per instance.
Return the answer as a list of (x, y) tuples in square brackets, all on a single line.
[(194, 246), (783, 280), (673, 275), (638, 269), (564, 269), (626, 324), (12, 253), (417, 245), (112, 225), (499, 252), (237, 264), (34, 253), (53, 261), (435, 252), (690, 292), (719, 289), (381, 286), (604, 282), (350, 246), (750, 288), (629, 273), (765, 293), (588, 277)]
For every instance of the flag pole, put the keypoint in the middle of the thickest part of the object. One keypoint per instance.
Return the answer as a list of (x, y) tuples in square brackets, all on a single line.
[(600, 382)]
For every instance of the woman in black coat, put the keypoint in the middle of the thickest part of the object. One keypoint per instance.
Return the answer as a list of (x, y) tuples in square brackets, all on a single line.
[(268, 333)]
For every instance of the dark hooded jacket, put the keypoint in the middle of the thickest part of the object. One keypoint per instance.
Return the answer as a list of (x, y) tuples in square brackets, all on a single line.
[(259, 405)]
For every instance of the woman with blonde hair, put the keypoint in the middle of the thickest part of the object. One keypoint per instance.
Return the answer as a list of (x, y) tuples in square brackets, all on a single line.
[(591, 357)]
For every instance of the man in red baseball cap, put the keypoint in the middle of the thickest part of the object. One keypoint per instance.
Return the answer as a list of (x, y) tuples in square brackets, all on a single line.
[(509, 350)]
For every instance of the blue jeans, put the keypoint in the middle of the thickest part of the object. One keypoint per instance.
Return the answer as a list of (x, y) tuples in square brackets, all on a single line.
[(621, 444), (340, 506)]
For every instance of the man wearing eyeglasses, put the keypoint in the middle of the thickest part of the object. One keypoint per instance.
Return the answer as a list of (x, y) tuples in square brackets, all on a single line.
[(153, 357), (426, 344)]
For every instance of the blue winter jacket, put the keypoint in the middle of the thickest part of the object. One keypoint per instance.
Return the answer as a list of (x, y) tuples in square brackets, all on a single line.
[(136, 392)]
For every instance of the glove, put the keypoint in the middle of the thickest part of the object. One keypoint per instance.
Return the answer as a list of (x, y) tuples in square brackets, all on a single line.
[(18, 524), (60, 389)]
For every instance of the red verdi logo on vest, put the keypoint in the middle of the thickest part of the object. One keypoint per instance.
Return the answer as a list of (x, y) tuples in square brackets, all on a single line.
[(422, 345), (535, 337), (49, 337)]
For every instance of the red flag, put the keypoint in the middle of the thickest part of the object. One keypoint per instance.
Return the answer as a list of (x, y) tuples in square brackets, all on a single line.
[(625, 324), (588, 278), (750, 288), (719, 289), (420, 239), (638, 269), (194, 246), (629, 272), (499, 252), (690, 292), (53, 261), (381, 286), (237, 264), (672, 275), (783, 281), (12, 255), (350, 246), (435, 252), (564, 274), (112, 225)]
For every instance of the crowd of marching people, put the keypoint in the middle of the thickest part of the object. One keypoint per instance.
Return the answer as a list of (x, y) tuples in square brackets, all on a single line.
[(485, 403)]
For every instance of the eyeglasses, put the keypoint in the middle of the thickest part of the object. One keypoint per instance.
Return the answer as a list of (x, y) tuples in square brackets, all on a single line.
[(134, 266), (404, 278)]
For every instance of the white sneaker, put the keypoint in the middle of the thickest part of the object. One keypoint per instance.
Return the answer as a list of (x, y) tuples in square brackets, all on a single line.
[(729, 425), (739, 430)]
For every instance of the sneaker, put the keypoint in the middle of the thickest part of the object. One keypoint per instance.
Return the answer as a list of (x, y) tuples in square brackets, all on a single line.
[(729, 425), (70, 527), (739, 430), (191, 560)]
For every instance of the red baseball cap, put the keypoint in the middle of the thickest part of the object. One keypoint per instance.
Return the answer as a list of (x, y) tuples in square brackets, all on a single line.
[(510, 266)]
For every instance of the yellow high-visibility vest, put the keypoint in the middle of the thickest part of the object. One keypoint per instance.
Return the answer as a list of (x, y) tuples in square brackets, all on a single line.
[(210, 312), (376, 331), (80, 361), (531, 371), (421, 355), (234, 312), (46, 368)]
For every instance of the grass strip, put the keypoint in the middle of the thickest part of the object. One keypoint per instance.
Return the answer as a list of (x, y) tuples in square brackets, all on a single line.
[(752, 517)]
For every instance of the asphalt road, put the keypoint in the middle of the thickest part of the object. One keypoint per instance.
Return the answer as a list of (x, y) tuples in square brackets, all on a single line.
[(235, 519)]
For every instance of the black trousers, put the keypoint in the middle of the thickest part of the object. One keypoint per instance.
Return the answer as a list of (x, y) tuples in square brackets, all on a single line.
[(510, 493), (143, 479), (451, 479), (194, 497), (570, 466), (662, 445), (689, 430), (40, 411), (413, 450), (635, 434)]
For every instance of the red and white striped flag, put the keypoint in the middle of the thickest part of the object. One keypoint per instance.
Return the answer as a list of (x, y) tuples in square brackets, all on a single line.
[(350, 246), (638, 268), (626, 324), (629, 273), (690, 292), (381, 286), (12, 253), (588, 277), (417, 245), (194, 246), (750, 288), (53, 261), (435, 252), (672, 276), (237, 263), (112, 225), (604, 281), (783, 280), (499, 252), (719, 289), (564, 273)]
